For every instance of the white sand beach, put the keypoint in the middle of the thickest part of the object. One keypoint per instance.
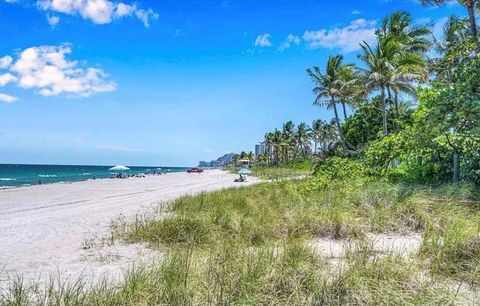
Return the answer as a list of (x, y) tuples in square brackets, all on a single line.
[(44, 228)]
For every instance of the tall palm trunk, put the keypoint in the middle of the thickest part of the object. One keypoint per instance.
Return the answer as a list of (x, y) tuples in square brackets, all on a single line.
[(395, 98), (384, 113), (456, 166), (337, 121), (344, 111), (470, 4)]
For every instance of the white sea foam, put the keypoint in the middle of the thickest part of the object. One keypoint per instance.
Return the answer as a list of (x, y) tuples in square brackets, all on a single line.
[(47, 175), (7, 179)]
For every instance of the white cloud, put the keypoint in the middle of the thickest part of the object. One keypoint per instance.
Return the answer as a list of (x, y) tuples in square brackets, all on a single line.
[(46, 69), (6, 78), (98, 11), (124, 10), (263, 40), (145, 16), (356, 12), (53, 20), (7, 99), (5, 62), (347, 38), (289, 41)]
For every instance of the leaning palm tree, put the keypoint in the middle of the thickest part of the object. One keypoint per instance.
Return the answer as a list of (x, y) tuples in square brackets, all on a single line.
[(327, 88), (471, 6), (350, 88)]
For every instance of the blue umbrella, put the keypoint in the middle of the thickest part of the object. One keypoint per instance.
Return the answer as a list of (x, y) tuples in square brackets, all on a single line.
[(244, 171)]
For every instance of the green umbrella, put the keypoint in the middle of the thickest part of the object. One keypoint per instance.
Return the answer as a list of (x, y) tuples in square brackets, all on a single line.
[(244, 171)]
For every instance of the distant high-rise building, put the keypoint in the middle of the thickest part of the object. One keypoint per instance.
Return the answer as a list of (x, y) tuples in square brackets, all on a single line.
[(262, 148)]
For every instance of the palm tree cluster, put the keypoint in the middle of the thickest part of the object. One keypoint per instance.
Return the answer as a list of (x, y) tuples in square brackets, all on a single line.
[(390, 68), (299, 141)]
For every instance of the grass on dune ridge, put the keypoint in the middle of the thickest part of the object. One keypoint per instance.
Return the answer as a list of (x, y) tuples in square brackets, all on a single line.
[(250, 246)]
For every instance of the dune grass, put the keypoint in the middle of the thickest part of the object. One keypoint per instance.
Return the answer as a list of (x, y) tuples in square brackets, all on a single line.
[(250, 246)]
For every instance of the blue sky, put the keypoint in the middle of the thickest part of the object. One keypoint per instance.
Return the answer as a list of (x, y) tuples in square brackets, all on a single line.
[(168, 82)]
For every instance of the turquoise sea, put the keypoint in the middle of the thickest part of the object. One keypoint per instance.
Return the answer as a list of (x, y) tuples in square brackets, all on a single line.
[(12, 175)]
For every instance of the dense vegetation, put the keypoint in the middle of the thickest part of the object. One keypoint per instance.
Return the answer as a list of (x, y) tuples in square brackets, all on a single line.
[(415, 118)]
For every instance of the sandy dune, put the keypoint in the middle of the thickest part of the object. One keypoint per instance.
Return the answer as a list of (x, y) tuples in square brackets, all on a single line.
[(43, 229)]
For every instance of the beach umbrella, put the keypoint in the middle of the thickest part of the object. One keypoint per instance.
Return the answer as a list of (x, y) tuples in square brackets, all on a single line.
[(244, 171), (119, 168)]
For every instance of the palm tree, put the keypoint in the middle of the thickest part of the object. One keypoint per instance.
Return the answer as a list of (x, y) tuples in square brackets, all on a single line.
[(268, 140), (471, 6), (277, 144), (323, 134), (250, 156), (412, 41), (412, 38), (317, 126), (288, 137), (303, 136), (390, 68), (378, 70), (327, 88), (349, 89), (242, 155), (329, 136)]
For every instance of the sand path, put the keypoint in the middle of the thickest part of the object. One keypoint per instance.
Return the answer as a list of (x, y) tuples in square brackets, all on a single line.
[(43, 229)]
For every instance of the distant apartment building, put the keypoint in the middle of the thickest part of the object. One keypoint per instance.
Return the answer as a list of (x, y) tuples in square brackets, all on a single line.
[(262, 148)]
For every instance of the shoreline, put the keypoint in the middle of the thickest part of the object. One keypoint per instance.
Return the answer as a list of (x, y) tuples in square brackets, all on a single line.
[(24, 175), (77, 181), (51, 229)]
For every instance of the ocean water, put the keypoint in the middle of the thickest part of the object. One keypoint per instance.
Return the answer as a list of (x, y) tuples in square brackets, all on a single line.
[(12, 175)]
